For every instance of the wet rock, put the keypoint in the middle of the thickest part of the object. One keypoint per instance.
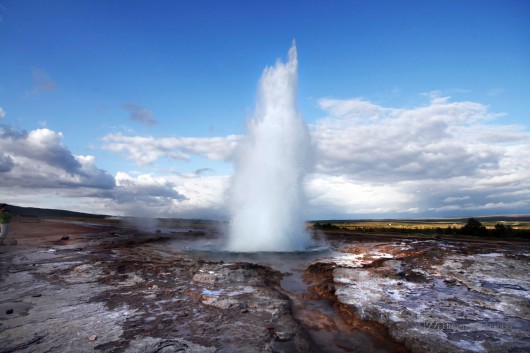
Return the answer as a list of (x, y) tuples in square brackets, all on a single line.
[(223, 303), (133, 298), (86, 273), (121, 269), (13, 308), (448, 303), (283, 336), (159, 345), (230, 274)]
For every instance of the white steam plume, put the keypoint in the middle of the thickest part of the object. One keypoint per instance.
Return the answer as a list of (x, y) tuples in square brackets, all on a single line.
[(266, 194)]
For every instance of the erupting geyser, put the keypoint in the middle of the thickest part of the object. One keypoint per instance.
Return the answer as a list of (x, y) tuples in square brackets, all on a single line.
[(266, 195)]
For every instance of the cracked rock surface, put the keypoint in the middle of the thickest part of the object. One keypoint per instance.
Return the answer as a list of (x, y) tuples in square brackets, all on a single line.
[(81, 287), (435, 296), (106, 290)]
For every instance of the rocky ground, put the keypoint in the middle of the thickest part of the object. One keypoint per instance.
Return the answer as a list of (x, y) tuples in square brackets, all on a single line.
[(78, 287), (432, 295)]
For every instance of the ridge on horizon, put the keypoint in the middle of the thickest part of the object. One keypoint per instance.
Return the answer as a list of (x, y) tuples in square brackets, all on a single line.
[(49, 212)]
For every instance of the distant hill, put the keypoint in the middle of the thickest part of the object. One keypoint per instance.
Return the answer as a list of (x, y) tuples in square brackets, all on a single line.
[(45, 212), (505, 218)]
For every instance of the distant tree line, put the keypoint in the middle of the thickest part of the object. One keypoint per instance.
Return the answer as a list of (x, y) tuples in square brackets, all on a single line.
[(473, 227), (325, 226)]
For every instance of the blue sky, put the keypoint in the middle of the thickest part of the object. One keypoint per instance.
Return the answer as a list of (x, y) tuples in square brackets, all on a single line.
[(89, 89)]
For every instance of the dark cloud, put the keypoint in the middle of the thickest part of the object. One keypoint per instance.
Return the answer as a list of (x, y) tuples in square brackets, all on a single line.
[(150, 193), (41, 145), (145, 195), (140, 114), (6, 163), (39, 159), (171, 196), (202, 171), (8, 133)]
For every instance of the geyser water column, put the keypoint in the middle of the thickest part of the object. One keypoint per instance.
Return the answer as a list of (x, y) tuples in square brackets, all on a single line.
[(266, 195)]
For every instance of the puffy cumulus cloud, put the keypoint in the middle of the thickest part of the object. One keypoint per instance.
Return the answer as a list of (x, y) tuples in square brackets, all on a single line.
[(439, 140), (206, 196), (146, 189), (353, 109), (39, 159), (140, 114), (146, 150), (6, 163), (37, 169), (441, 159), (444, 158), (144, 196), (465, 196), (188, 195), (340, 196)]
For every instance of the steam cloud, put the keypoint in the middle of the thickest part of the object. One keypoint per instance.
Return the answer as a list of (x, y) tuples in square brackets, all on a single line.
[(266, 194)]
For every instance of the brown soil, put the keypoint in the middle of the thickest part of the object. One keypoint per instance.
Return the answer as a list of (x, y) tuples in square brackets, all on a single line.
[(45, 231)]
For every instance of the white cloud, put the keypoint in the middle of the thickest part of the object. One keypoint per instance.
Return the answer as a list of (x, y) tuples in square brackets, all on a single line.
[(146, 150), (39, 159), (2, 113), (440, 140), (170, 196), (330, 196), (442, 159), (37, 169), (445, 157), (452, 199), (354, 109), (144, 191)]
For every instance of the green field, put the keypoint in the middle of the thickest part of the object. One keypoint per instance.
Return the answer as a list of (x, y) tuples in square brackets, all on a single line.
[(516, 222)]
